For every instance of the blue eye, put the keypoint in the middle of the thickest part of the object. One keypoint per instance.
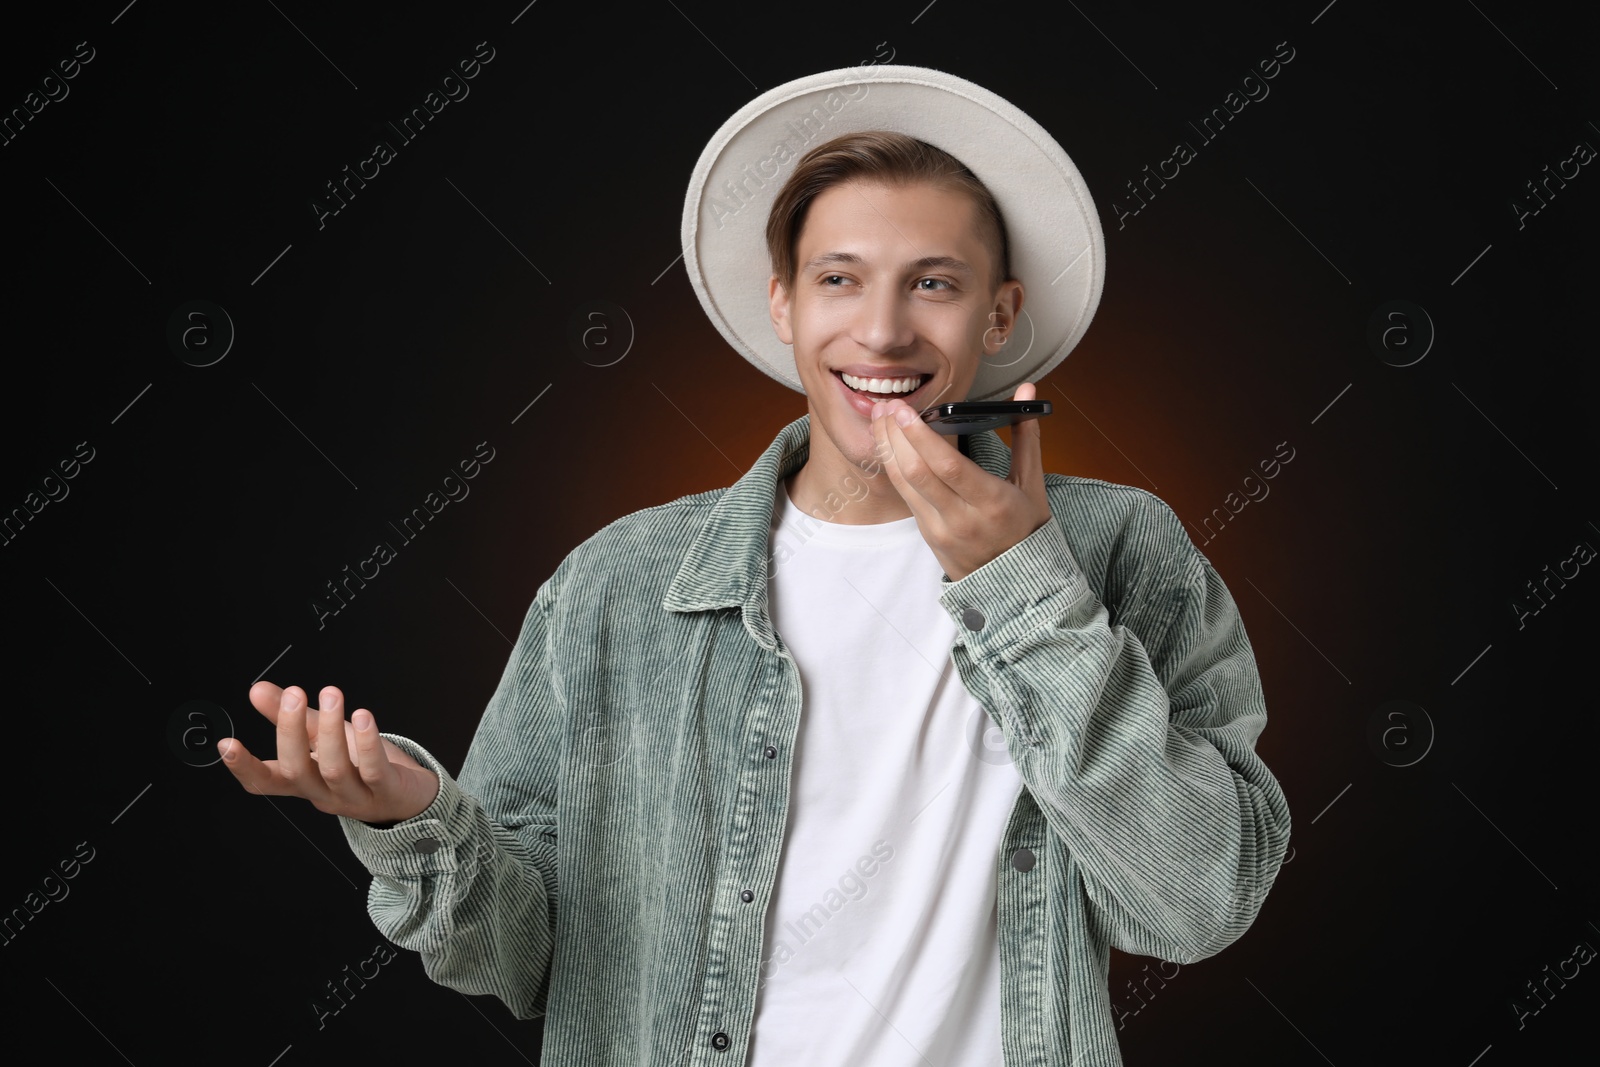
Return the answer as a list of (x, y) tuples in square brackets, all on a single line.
[(941, 281)]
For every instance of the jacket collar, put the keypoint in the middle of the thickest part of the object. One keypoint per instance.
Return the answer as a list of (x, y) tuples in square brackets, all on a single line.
[(727, 562)]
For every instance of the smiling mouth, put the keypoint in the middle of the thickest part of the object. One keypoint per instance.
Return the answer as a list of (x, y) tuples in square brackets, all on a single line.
[(921, 380)]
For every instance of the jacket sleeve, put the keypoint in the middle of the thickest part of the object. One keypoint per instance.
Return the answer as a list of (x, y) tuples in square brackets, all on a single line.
[(1139, 747), (471, 882)]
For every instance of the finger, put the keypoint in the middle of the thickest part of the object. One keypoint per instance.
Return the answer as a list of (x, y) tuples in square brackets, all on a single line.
[(376, 771), (926, 458), (883, 452), (333, 758), (894, 461), (294, 752), (1027, 453), (266, 698), (253, 774)]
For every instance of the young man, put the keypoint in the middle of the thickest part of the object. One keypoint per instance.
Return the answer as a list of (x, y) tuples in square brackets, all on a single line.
[(735, 798)]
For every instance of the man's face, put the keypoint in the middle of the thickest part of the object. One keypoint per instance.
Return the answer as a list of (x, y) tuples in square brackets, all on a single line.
[(892, 282)]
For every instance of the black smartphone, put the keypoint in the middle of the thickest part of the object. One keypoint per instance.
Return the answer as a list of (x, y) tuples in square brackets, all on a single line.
[(975, 416)]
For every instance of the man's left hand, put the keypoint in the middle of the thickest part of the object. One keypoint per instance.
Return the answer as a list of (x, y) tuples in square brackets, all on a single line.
[(967, 515)]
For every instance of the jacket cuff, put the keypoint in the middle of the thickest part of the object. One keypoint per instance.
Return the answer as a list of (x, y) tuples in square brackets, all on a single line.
[(424, 844), (1030, 585)]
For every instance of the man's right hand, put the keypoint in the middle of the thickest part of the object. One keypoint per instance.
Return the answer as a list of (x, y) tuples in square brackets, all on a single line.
[(343, 768)]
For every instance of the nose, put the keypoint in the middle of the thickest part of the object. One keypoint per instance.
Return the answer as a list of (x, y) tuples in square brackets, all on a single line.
[(883, 322)]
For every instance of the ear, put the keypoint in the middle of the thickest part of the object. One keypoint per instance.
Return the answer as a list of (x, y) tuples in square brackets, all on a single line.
[(778, 305), (1003, 316)]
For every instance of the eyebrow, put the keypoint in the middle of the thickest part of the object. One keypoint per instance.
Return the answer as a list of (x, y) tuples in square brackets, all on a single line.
[(950, 263)]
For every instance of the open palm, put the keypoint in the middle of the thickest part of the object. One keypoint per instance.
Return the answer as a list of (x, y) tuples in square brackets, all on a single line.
[(342, 767)]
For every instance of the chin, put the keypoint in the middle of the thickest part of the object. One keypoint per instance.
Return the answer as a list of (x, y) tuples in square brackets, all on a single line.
[(850, 434), (860, 447)]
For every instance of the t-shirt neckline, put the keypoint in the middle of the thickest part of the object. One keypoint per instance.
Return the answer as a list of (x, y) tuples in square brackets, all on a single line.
[(791, 520)]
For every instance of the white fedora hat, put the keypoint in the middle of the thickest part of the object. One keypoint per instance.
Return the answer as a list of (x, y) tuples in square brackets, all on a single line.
[(1056, 244)]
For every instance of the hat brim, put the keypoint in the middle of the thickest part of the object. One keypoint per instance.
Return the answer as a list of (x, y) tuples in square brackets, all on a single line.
[(1056, 245)]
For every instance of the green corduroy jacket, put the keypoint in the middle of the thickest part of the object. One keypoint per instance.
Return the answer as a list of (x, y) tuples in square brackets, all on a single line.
[(629, 780)]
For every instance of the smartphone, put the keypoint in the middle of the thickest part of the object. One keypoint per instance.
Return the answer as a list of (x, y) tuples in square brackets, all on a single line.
[(975, 416)]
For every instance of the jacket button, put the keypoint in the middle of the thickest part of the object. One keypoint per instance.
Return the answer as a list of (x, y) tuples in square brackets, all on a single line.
[(425, 845), (719, 1041), (771, 752), (973, 618), (747, 896), (1022, 859)]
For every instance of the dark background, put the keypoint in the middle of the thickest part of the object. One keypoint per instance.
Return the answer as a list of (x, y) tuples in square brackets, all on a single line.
[(369, 355)]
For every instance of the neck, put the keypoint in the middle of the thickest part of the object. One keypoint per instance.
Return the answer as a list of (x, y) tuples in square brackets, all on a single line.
[(833, 488)]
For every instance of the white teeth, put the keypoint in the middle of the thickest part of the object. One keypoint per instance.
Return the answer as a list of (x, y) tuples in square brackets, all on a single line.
[(882, 385)]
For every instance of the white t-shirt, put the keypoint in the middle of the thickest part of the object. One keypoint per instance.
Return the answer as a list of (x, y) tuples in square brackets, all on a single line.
[(881, 942)]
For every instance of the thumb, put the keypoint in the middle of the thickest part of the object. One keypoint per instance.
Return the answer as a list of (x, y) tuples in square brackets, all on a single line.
[(1027, 453)]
